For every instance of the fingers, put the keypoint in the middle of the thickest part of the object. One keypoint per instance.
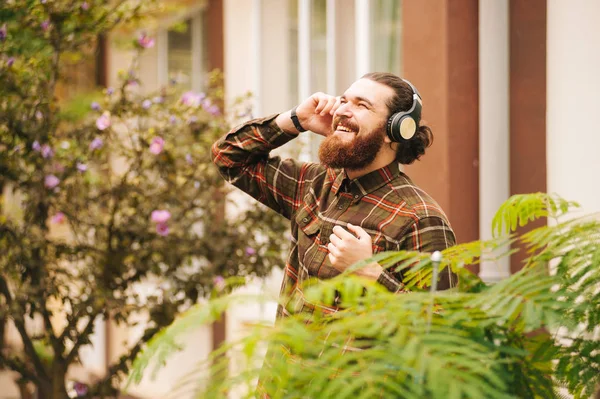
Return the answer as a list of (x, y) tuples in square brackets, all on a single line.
[(359, 231), (336, 105), (335, 240), (327, 109), (333, 250), (325, 103), (343, 233), (332, 258), (321, 100)]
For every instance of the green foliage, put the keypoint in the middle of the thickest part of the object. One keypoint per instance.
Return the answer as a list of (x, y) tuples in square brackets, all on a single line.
[(523, 337), (521, 209), (109, 195)]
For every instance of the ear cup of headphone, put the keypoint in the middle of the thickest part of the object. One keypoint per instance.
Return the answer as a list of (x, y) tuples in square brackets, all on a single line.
[(401, 126)]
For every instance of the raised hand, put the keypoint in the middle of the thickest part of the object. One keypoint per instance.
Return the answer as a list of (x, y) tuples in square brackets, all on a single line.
[(315, 114)]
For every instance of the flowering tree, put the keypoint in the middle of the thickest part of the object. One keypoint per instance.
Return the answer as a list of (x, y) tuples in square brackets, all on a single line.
[(125, 195)]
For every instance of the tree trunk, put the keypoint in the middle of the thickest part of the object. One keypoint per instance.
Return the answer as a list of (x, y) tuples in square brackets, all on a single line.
[(55, 388), (25, 390)]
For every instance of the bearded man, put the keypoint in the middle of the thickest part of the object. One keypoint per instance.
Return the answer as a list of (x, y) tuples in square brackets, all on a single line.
[(356, 202)]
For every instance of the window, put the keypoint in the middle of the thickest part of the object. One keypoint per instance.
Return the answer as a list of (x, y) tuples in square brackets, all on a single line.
[(333, 42), (385, 36), (179, 53), (182, 55)]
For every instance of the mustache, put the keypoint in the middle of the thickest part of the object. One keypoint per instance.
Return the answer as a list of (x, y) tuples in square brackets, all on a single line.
[(339, 119)]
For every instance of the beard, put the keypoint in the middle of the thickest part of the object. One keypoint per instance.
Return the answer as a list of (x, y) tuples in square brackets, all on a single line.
[(352, 155)]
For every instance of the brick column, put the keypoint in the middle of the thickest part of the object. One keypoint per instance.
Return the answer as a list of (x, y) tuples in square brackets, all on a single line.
[(527, 103), (440, 56)]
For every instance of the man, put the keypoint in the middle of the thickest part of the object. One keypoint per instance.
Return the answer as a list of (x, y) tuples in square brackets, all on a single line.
[(356, 201)]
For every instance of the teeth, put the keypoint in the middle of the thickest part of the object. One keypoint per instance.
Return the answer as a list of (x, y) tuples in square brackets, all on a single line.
[(343, 128)]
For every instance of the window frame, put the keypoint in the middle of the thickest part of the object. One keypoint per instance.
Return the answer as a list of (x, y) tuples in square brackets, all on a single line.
[(196, 16)]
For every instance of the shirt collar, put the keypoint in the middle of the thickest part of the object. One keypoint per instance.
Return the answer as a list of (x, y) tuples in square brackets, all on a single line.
[(367, 183)]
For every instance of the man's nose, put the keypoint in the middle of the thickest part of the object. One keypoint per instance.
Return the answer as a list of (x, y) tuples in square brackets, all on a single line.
[(343, 110)]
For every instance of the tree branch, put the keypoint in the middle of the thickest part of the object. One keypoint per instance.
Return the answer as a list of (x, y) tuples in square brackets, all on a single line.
[(105, 386), (28, 345), (73, 322), (57, 344), (79, 341), (19, 366)]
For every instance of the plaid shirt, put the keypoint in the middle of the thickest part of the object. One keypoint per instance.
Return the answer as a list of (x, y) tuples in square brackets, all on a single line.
[(385, 203)]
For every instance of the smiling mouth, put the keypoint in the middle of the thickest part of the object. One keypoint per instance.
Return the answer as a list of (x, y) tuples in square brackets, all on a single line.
[(342, 128)]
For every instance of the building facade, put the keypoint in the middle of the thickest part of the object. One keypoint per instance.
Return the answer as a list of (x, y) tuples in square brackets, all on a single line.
[(509, 88)]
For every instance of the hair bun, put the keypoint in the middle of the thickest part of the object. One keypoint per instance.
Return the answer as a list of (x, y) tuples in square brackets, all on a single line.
[(411, 150)]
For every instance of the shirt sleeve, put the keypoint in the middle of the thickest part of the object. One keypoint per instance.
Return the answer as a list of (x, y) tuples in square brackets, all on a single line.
[(242, 157), (428, 234)]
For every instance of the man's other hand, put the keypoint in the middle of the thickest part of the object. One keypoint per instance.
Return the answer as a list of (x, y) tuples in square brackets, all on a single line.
[(349, 247)]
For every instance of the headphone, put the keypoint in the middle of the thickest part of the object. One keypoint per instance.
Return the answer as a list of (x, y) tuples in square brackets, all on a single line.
[(403, 125)]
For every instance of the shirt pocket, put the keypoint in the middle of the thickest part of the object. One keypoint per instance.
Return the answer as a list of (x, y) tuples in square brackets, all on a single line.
[(309, 228), (308, 221)]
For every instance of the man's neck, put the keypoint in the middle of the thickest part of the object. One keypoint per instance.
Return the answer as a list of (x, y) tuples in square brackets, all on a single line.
[(382, 160)]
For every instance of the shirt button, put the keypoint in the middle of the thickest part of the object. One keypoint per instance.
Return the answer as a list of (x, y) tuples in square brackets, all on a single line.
[(356, 196), (305, 220)]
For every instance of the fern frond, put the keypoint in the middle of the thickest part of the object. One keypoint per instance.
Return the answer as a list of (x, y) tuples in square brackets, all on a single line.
[(165, 343), (526, 301), (470, 342), (521, 209)]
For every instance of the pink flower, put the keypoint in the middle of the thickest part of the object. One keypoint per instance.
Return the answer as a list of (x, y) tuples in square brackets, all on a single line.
[(58, 218), (3, 33), (103, 121), (10, 61), (192, 99), (146, 104), (51, 181), (85, 6), (80, 388), (81, 167), (219, 283), (96, 144), (162, 229), (213, 110), (157, 145), (36, 146), (45, 25), (250, 251), (95, 106), (189, 159), (47, 151), (145, 41), (210, 107), (160, 216)]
